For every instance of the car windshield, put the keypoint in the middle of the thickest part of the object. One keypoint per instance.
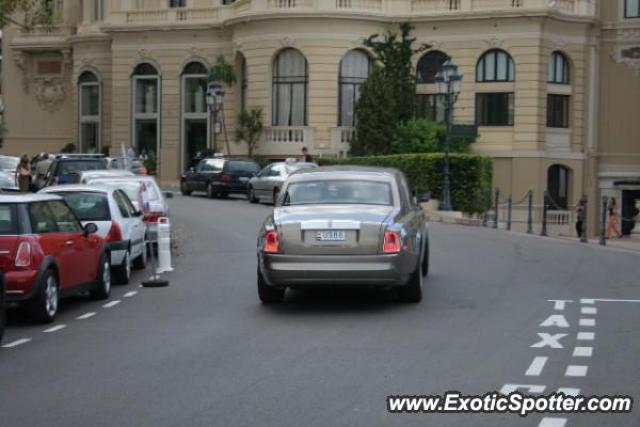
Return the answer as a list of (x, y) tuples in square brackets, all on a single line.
[(69, 167), (9, 163), (242, 167), (8, 222), (88, 206), (338, 192)]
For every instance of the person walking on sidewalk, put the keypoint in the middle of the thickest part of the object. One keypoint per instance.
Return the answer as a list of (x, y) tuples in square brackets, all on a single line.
[(612, 223), (579, 217), (23, 174)]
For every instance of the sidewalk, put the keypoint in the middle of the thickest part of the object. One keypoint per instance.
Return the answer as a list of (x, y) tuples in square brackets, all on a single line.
[(629, 243)]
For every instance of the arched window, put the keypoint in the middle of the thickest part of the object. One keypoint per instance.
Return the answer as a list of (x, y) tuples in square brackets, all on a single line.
[(429, 65), (495, 66), (558, 69), (290, 80), (89, 109), (354, 70), (195, 118), (146, 112), (558, 187)]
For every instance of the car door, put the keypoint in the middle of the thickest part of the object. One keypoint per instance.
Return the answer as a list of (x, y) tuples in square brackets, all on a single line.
[(411, 216), (133, 220), (259, 184), (275, 180), (82, 250)]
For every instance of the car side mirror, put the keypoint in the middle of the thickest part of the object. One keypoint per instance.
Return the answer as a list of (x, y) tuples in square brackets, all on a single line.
[(424, 197), (168, 195), (90, 228)]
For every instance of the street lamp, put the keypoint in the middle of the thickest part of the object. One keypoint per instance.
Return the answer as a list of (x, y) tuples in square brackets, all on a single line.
[(449, 84), (215, 99)]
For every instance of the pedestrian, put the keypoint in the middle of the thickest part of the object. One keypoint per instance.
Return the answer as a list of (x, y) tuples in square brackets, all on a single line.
[(42, 168), (23, 174), (131, 153), (306, 157), (612, 223), (580, 218)]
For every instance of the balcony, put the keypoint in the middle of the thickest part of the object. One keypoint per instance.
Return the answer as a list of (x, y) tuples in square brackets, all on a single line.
[(341, 138)]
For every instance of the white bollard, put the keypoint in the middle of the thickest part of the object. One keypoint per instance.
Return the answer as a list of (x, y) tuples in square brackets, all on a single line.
[(164, 245)]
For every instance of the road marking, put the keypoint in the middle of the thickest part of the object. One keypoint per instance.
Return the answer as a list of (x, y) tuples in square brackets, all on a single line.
[(617, 300), (17, 343), (130, 294), (583, 352), (555, 320), (536, 367), (548, 340), (559, 304), (586, 336), (553, 422), (112, 303), (86, 316), (510, 388), (569, 391), (587, 301), (588, 310), (576, 371), (587, 322), (54, 329)]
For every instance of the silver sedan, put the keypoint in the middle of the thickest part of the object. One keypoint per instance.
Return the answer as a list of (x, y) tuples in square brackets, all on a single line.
[(265, 186), (344, 225)]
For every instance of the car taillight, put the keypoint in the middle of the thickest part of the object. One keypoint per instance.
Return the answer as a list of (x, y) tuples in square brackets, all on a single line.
[(271, 244), (153, 216), (391, 242), (115, 233), (23, 255), (141, 171), (225, 178)]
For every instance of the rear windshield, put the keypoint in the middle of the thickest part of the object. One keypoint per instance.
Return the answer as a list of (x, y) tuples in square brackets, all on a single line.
[(69, 167), (340, 192), (247, 167), (88, 206), (8, 220)]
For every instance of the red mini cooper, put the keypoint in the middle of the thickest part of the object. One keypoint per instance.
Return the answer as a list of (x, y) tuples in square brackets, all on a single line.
[(46, 254)]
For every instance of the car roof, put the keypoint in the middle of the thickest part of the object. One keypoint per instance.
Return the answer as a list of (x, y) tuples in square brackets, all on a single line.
[(28, 198), (108, 172), (79, 156), (345, 172), (138, 178), (237, 159), (76, 187)]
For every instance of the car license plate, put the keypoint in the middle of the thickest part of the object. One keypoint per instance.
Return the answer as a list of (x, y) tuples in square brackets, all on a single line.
[(331, 236)]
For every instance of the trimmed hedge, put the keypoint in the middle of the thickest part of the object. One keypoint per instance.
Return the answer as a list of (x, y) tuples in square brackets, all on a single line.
[(471, 175)]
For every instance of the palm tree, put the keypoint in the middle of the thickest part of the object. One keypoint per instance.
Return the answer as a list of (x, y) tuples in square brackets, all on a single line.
[(223, 72)]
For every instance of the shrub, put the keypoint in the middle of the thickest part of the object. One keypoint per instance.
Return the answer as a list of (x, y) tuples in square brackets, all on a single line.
[(418, 136), (470, 175)]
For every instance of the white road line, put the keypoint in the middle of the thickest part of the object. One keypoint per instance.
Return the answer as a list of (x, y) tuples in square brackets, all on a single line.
[(587, 301), (559, 304), (17, 343), (586, 336), (130, 294), (587, 322), (617, 300), (54, 329), (553, 422), (569, 391), (531, 388), (112, 303), (588, 310), (536, 367), (583, 352), (576, 371), (86, 316)]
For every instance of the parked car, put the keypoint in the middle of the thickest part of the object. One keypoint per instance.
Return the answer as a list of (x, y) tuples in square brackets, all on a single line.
[(266, 185), (65, 167), (344, 225), (155, 198), (219, 177), (9, 163), (135, 166), (8, 181), (85, 176), (46, 254), (3, 318), (118, 221)]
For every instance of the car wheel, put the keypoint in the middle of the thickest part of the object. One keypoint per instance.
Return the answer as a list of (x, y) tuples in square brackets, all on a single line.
[(268, 294), (184, 189), (122, 274), (252, 196), (425, 260), (140, 263), (44, 306), (412, 291), (210, 192), (102, 288)]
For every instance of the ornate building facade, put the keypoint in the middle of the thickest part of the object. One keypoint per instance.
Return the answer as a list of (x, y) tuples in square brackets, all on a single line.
[(554, 85)]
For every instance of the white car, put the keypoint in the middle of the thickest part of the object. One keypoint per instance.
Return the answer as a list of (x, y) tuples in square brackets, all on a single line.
[(158, 206), (119, 223), (86, 176)]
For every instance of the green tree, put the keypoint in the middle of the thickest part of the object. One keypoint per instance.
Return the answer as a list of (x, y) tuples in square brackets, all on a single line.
[(26, 13), (223, 72), (249, 128), (418, 136)]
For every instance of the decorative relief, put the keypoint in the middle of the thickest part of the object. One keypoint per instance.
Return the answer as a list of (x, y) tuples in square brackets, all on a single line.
[(23, 62), (627, 51), (144, 53), (436, 44), (287, 42), (494, 42), (50, 93)]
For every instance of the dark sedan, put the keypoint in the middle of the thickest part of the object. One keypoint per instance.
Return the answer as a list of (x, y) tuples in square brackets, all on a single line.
[(219, 177), (344, 225)]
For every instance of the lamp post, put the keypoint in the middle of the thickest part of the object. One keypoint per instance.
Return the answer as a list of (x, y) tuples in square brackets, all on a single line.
[(215, 98), (449, 83)]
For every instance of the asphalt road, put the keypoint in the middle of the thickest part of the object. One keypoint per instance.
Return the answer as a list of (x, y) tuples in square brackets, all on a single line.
[(204, 352)]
